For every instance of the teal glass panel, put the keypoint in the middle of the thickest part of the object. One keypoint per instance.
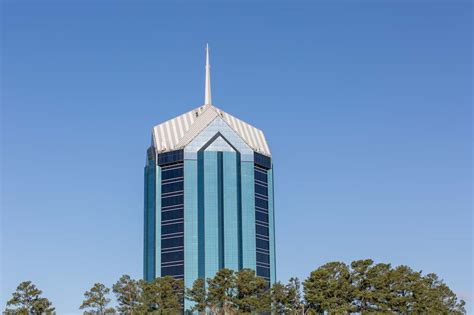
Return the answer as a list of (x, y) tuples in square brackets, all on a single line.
[(248, 216), (231, 215), (191, 240), (211, 214), (150, 213), (271, 222)]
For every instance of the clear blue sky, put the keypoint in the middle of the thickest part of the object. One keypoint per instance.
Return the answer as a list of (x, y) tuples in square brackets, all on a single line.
[(367, 109)]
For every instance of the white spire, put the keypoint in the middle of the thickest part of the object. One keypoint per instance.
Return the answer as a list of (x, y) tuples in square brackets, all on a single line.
[(207, 97)]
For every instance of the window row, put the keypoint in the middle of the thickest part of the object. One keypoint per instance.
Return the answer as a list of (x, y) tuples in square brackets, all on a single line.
[(172, 270), (260, 216), (172, 200), (263, 271), (172, 228), (263, 244), (174, 186), (262, 230), (172, 215), (172, 256), (263, 258), (262, 203), (260, 189), (172, 242), (170, 157), (172, 173), (261, 176), (262, 160)]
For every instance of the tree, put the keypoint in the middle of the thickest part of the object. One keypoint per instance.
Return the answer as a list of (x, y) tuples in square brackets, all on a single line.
[(279, 298), (293, 291), (198, 295), (127, 292), (221, 292), (366, 288), (27, 300), (329, 289), (96, 300), (252, 294), (163, 295)]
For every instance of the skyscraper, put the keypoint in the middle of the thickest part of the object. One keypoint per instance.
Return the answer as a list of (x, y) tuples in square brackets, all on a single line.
[(208, 196)]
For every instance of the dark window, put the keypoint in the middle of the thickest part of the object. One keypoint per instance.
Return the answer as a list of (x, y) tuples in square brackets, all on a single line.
[(170, 157), (171, 173), (263, 258), (262, 230), (261, 203), (261, 216), (176, 186), (173, 256), (262, 160), (172, 271), (263, 272), (172, 228), (172, 215), (262, 190), (172, 242), (264, 244), (170, 201), (261, 176)]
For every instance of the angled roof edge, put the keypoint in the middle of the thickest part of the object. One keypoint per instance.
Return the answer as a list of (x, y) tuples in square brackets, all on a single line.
[(176, 133)]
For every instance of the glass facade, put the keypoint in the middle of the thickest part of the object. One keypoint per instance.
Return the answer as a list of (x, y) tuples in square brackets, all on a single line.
[(262, 223), (208, 207), (172, 214)]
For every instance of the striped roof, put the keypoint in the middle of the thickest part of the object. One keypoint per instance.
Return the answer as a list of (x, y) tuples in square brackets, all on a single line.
[(176, 133)]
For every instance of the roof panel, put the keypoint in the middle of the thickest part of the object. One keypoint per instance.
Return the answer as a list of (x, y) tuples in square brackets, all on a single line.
[(176, 133)]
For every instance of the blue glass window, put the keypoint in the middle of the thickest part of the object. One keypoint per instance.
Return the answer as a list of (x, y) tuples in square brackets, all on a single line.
[(172, 173), (172, 228), (172, 215), (172, 242), (263, 272), (172, 256), (263, 160), (263, 244), (261, 175), (170, 157), (261, 203), (261, 190), (170, 187), (263, 258), (262, 230), (261, 216), (172, 270), (172, 200)]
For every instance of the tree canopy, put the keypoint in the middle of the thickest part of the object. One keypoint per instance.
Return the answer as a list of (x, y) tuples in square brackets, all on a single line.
[(361, 287), (27, 300), (365, 287)]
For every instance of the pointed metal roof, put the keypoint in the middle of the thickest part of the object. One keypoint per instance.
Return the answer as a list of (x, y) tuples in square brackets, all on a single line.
[(176, 133)]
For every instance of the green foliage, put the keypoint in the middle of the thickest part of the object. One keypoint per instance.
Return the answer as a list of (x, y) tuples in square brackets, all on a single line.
[(96, 300), (329, 289), (365, 288), (127, 291), (198, 295), (221, 292), (252, 294), (334, 288), (293, 291), (279, 298), (27, 300), (161, 296)]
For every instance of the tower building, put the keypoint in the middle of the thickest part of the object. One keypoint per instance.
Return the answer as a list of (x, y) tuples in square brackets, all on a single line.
[(208, 196)]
